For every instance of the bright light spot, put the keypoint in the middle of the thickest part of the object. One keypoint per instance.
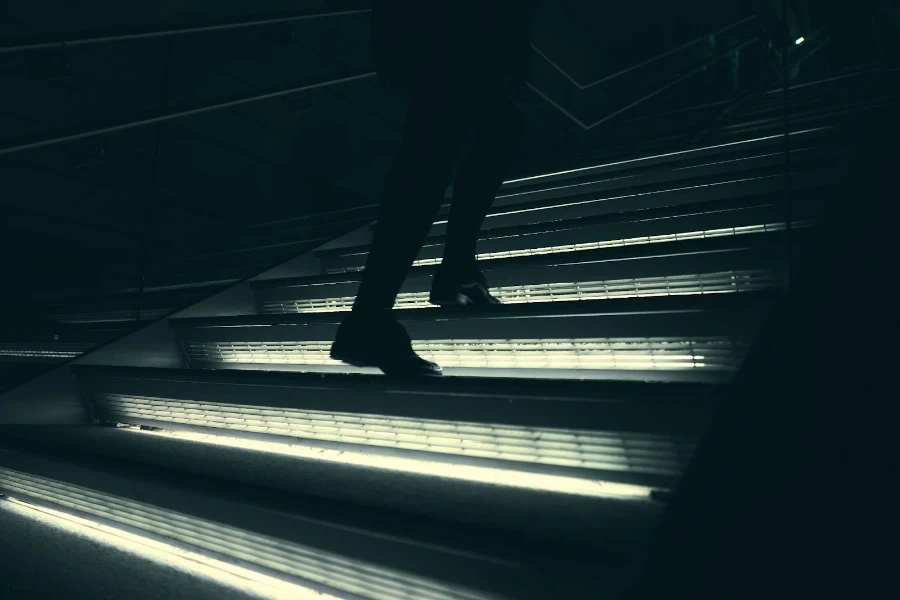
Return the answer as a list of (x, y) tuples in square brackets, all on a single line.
[(494, 476), (192, 563), (800, 40)]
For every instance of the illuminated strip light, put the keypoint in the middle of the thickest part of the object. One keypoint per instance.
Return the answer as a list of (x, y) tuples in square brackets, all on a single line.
[(598, 450), (625, 175), (171, 556), (327, 574), (109, 317), (665, 155), (586, 354), (417, 466), (23, 351), (645, 287), (594, 201), (648, 239)]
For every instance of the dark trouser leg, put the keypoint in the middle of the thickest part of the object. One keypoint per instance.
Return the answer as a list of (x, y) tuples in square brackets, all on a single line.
[(498, 133), (411, 197)]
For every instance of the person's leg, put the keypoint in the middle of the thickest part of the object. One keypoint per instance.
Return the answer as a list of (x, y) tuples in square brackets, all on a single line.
[(370, 336), (411, 197), (498, 130)]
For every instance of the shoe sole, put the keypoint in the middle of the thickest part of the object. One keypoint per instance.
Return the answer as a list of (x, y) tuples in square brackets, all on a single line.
[(460, 300), (359, 363)]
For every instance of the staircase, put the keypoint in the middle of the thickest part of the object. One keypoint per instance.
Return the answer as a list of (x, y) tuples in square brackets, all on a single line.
[(540, 464)]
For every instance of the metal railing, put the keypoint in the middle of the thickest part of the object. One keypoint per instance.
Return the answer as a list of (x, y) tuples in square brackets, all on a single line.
[(655, 92), (694, 42), (164, 116), (679, 78), (163, 33)]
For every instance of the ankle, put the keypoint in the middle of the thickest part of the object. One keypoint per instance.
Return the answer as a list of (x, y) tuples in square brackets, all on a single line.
[(459, 266), (370, 314)]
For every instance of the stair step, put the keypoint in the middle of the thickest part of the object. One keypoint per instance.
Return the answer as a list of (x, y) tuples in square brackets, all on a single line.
[(726, 171), (671, 338), (329, 551), (711, 170), (708, 155), (690, 266), (302, 539), (576, 208), (634, 433), (702, 220)]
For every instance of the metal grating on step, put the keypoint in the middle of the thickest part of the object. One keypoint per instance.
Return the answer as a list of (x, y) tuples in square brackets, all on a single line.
[(43, 351), (117, 316), (674, 285), (585, 449), (326, 573), (711, 353), (649, 239), (597, 245)]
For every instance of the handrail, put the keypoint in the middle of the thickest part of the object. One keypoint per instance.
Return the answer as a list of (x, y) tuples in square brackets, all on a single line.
[(137, 35), (177, 114), (644, 98), (584, 86)]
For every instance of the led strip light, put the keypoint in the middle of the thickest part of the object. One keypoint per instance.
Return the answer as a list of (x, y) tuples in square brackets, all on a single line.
[(598, 450), (118, 316), (43, 351), (643, 287), (647, 239), (665, 155), (328, 574), (587, 354)]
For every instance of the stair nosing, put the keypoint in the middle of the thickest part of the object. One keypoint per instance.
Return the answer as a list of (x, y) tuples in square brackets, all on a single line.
[(661, 304)]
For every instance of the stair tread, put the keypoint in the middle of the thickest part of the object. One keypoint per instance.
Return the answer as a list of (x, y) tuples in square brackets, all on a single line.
[(604, 219), (213, 483), (497, 389), (614, 253), (611, 307)]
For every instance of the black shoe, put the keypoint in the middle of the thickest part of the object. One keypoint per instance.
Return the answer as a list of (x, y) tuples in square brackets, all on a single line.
[(461, 288), (381, 342)]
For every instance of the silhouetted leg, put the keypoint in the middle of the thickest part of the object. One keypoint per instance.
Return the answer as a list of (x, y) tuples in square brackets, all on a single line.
[(498, 133), (411, 197)]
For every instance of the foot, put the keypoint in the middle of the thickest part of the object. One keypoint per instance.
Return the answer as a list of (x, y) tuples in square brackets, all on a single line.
[(465, 287), (380, 342)]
